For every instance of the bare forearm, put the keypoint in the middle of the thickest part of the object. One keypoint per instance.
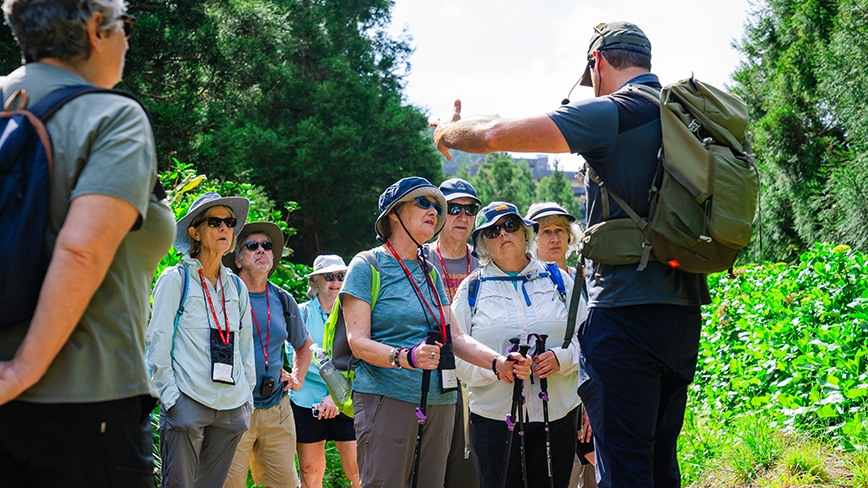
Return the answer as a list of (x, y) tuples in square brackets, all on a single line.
[(301, 359), (470, 135), (69, 285)]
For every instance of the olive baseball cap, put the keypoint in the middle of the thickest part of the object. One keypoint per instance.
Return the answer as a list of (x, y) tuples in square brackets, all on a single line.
[(616, 35)]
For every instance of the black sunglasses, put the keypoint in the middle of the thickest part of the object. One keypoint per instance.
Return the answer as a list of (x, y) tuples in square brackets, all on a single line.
[(215, 222), (510, 226), (252, 246), (333, 276), (455, 208), (426, 204), (129, 22)]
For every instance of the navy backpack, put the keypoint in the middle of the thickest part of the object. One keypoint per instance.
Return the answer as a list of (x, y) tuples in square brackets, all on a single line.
[(26, 163)]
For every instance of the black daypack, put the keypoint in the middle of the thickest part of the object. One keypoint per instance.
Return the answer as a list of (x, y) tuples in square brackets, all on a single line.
[(26, 164)]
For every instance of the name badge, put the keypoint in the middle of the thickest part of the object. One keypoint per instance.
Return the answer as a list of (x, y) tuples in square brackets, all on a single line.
[(222, 358)]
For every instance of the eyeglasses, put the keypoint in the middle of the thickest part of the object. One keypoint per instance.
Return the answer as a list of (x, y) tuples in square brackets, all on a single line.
[(215, 222), (426, 204), (129, 22), (333, 276), (510, 226), (455, 208), (252, 246)]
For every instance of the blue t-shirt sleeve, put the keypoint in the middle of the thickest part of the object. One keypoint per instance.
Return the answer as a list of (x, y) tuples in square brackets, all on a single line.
[(295, 329), (590, 126), (357, 282)]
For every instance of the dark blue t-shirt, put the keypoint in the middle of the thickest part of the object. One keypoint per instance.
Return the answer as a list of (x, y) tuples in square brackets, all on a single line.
[(619, 136)]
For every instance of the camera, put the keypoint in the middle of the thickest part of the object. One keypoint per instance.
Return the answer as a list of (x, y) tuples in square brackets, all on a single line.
[(314, 409), (267, 388)]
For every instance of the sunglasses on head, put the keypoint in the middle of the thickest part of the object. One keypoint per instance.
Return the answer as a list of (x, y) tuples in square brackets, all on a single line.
[(215, 222), (510, 226), (426, 204), (129, 22), (455, 208), (333, 276), (252, 246)]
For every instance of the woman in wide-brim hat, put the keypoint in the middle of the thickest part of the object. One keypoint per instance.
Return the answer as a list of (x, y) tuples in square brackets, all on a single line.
[(515, 296), (389, 342), (327, 423), (201, 347)]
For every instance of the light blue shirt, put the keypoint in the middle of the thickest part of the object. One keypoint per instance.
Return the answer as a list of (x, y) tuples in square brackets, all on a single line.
[(181, 359), (314, 388)]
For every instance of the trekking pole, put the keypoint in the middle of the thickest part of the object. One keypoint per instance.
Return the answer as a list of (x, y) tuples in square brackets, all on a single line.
[(517, 400), (544, 395), (433, 336)]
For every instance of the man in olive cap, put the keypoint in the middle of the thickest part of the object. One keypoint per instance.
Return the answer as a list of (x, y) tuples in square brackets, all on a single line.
[(640, 342)]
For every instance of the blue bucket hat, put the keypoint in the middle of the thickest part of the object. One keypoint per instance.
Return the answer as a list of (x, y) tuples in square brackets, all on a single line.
[(238, 205), (492, 212), (405, 190), (457, 188)]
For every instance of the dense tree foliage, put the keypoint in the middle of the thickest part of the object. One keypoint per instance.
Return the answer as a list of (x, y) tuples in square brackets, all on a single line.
[(805, 80), (556, 188), (299, 97), (499, 179)]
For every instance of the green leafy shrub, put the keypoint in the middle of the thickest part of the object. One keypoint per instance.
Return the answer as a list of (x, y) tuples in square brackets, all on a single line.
[(183, 185), (790, 340)]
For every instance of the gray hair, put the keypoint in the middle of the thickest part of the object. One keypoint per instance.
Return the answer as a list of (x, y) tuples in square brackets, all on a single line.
[(240, 244), (573, 228), (485, 257), (58, 28)]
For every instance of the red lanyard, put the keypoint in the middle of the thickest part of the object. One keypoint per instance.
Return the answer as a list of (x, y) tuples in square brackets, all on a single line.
[(442, 323), (267, 327), (223, 338), (446, 271)]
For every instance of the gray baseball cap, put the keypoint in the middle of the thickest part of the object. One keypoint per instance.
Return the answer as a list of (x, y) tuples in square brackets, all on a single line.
[(616, 35)]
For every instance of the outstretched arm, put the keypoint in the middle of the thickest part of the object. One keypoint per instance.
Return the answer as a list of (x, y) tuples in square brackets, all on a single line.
[(487, 134)]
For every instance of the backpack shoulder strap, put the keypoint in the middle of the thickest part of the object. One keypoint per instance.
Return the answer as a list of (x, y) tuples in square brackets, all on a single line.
[(473, 288), (573, 312), (557, 279), (283, 295), (644, 91), (376, 274), (52, 102), (185, 276)]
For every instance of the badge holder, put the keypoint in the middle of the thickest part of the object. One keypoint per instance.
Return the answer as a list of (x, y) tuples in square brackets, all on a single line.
[(448, 377), (222, 358)]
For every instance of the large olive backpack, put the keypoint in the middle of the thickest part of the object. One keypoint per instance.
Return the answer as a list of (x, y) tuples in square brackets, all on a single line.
[(704, 197)]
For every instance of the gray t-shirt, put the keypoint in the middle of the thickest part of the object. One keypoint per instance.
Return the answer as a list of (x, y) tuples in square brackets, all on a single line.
[(619, 136), (398, 319), (103, 145), (456, 269), (277, 333)]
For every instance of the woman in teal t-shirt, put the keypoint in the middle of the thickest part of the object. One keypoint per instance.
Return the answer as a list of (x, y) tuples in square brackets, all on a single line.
[(317, 419), (388, 343)]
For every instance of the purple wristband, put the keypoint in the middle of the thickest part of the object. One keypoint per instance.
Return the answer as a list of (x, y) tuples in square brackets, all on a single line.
[(410, 356)]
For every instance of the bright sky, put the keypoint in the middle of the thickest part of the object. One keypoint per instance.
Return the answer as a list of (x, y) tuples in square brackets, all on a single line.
[(515, 58)]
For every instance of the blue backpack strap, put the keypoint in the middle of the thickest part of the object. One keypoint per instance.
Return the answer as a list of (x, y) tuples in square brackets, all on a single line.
[(473, 288), (557, 279), (182, 270)]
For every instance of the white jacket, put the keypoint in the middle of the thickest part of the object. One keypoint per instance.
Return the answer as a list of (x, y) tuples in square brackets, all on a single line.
[(502, 313)]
